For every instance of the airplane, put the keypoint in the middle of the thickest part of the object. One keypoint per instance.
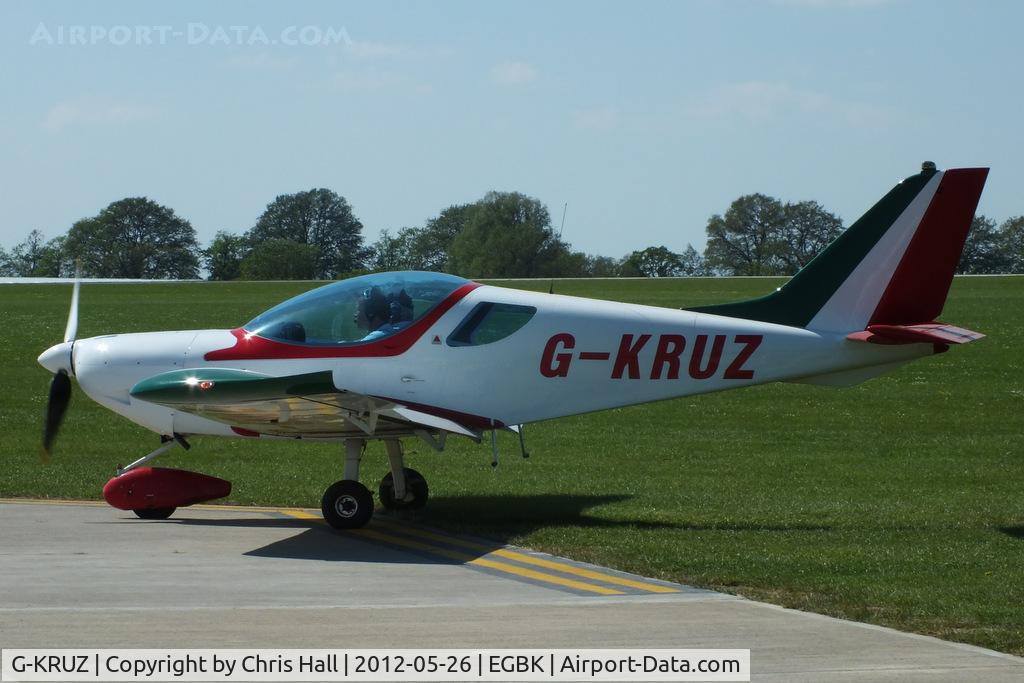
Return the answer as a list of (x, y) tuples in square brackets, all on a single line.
[(422, 355)]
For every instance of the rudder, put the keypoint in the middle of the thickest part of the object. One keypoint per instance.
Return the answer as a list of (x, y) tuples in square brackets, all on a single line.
[(918, 288)]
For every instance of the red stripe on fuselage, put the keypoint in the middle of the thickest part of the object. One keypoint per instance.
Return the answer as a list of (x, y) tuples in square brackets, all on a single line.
[(253, 347)]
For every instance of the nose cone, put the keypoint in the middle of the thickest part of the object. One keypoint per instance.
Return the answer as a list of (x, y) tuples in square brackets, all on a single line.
[(57, 357)]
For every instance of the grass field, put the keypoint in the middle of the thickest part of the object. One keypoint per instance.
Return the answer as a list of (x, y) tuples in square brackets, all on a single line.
[(897, 502)]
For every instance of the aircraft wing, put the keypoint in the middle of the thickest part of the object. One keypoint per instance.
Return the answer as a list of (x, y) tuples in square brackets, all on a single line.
[(306, 405)]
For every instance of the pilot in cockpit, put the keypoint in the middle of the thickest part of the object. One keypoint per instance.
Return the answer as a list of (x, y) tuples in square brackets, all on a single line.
[(382, 314)]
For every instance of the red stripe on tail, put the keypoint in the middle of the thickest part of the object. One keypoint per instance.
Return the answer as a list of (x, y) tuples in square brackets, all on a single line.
[(918, 288)]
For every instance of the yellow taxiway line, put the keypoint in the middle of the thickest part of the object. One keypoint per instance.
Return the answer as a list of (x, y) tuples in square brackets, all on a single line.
[(531, 559), (469, 559)]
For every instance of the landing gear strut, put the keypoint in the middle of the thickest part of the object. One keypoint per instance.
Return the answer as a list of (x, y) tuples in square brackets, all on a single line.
[(402, 488), (347, 504)]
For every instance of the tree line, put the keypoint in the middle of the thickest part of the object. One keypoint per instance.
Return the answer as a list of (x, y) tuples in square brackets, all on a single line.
[(314, 235)]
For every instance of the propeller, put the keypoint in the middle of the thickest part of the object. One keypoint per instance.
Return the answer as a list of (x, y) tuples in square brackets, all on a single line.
[(72, 328), (58, 359)]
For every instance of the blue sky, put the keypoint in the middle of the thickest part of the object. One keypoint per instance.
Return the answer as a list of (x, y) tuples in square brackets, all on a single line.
[(645, 117)]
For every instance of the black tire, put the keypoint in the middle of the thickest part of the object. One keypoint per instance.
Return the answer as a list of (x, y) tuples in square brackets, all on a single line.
[(414, 484), (154, 513), (347, 505)]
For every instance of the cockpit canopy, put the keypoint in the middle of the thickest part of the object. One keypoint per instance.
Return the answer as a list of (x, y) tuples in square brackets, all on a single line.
[(360, 309)]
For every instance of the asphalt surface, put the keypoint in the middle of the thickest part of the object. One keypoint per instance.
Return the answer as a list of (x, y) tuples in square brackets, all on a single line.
[(84, 575)]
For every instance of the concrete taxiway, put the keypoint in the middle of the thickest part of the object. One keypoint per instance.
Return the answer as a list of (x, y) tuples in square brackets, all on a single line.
[(84, 575)]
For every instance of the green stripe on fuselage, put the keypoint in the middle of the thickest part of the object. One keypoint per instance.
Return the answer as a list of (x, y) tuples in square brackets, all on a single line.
[(227, 386), (797, 302)]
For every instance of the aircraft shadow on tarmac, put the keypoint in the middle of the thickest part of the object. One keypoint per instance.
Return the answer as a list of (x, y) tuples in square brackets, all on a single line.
[(502, 517), (499, 517), (320, 543)]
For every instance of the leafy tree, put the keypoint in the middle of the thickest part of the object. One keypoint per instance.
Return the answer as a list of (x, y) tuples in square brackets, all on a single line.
[(983, 250), (629, 266), (653, 262), (223, 258), (807, 229), (54, 261), (423, 248), (135, 238), (431, 244), (26, 257), (602, 266), (36, 258), (1011, 234), (747, 239), (761, 236), (569, 264), (6, 267), (397, 252), (321, 219), (692, 263), (507, 235), (280, 259)]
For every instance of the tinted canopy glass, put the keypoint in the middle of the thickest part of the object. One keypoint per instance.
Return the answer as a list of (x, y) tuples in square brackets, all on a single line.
[(360, 309)]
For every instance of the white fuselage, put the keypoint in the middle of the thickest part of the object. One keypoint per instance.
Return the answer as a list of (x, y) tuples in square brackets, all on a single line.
[(574, 356)]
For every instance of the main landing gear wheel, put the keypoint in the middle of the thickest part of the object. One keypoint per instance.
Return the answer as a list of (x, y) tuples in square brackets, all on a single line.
[(347, 504), (416, 491), (154, 513)]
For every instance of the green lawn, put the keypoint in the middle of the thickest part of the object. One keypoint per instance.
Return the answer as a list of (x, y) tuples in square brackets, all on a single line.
[(898, 502)]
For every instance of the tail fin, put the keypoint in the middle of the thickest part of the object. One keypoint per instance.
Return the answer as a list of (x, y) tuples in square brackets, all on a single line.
[(892, 267)]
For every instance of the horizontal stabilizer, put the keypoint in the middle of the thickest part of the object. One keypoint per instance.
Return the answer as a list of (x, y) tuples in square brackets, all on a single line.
[(925, 333)]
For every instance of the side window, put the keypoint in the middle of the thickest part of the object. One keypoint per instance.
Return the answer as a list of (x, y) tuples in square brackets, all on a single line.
[(489, 322)]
